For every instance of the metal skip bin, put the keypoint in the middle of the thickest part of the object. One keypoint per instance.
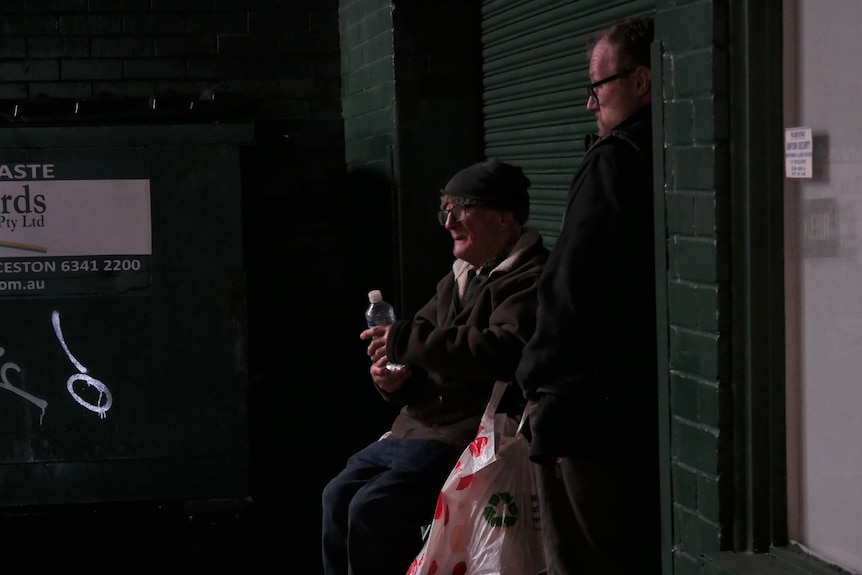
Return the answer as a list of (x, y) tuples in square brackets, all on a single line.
[(123, 371)]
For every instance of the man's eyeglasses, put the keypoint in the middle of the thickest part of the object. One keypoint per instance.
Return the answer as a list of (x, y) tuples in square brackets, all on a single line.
[(457, 212), (591, 89)]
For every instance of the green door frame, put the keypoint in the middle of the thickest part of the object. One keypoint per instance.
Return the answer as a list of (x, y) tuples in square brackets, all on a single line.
[(757, 260)]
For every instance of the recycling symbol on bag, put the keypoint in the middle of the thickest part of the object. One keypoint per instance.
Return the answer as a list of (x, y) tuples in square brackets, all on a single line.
[(509, 512)]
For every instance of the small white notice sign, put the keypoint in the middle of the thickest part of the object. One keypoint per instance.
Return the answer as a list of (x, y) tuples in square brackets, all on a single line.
[(798, 153)]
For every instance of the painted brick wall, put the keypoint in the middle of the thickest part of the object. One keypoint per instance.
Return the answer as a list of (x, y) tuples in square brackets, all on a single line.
[(438, 71), (283, 55), (695, 86), (276, 62), (411, 115), (368, 101), (368, 83)]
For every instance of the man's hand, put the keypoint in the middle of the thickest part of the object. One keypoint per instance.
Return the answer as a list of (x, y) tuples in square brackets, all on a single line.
[(377, 345), (387, 380)]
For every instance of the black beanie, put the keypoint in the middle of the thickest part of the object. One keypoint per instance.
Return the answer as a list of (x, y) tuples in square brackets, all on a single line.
[(495, 184)]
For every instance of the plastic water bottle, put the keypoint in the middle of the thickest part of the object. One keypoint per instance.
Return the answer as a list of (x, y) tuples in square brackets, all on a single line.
[(380, 312)]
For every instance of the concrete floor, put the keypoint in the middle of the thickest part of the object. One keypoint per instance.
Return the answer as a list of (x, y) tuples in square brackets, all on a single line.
[(139, 537)]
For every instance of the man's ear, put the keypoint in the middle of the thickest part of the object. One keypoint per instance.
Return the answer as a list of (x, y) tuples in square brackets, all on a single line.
[(507, 219), (643, 75)]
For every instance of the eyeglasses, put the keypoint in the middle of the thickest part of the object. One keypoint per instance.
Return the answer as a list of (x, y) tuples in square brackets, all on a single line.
[(457, 212), (591, 89)]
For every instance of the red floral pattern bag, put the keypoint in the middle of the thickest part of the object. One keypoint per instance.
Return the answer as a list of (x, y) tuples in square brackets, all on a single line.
[(487, 516)]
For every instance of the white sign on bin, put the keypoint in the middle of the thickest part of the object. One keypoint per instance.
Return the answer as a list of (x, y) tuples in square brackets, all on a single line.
[(798, 153)]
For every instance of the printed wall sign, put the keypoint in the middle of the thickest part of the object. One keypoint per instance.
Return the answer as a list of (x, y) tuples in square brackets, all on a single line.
[(798, 153), (64, 234)]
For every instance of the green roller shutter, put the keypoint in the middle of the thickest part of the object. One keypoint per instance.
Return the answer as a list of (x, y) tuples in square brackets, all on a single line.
[(535, 73)]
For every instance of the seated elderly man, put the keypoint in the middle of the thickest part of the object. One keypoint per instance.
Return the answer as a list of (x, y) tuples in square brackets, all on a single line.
[(469, 335)]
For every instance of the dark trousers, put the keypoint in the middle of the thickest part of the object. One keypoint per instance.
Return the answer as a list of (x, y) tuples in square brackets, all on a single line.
[(599, 517), (373, 511)]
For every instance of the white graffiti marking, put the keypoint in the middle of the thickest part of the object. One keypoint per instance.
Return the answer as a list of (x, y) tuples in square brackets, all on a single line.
[(5, 384), (104, 393)]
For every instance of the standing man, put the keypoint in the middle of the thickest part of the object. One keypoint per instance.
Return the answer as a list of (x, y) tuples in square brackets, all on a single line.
[(590, 369), (469, 335)]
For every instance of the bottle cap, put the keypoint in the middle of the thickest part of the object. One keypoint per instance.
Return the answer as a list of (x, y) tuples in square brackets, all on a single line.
[(375, 296)]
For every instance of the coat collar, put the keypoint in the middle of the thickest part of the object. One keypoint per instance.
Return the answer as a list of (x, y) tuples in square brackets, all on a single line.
[(529, 237)]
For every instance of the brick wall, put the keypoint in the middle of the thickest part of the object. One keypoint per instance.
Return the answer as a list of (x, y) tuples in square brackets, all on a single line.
[(273, 63), (368, 96), (696, 133), (283, 62), (283, 55), (411, 86)]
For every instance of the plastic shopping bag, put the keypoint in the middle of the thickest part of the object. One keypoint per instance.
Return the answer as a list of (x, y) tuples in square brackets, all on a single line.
[(487, 516)]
